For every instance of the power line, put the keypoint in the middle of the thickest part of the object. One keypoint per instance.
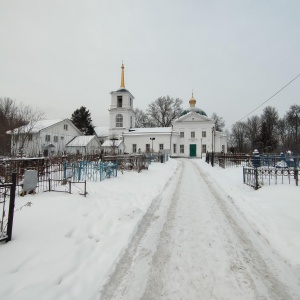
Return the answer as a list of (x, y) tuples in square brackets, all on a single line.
[(267, 99)]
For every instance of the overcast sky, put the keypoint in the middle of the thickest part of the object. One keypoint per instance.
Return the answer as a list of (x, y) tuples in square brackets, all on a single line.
[(59, 55)]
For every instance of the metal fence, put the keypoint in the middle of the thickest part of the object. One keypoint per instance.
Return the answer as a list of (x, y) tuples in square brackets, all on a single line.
[(90, 171), (7, 205), (267, 160), (52, 172), (260, 176), (231, 160)]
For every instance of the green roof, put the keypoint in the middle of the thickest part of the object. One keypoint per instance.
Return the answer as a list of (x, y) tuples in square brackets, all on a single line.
[(195, 109)]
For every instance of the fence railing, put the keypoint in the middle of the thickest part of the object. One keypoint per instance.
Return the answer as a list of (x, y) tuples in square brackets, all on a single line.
[(231, 160), (267, 160), (90, 171), (7, 205), (259, 176), (51, 172)]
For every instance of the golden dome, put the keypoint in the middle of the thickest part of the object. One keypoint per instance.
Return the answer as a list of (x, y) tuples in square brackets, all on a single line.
[(192, 101)]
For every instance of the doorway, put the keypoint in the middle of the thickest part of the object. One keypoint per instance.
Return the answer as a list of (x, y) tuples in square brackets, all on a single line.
[(193, 150)]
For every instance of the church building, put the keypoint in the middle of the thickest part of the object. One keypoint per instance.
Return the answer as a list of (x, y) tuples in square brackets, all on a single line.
[(191, 135)]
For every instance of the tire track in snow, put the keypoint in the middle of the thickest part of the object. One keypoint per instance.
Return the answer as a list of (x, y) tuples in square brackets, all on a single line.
[(228, 264), (193, 244), (135, 263), (250, 263)]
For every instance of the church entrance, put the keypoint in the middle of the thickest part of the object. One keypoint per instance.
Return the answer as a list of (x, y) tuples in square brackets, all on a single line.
[(193, 150)]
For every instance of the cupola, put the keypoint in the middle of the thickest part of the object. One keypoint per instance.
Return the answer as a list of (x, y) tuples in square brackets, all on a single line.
[(193, 108)]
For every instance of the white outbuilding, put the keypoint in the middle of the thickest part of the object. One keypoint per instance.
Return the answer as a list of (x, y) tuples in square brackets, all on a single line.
[(113, 146), (84, 145)]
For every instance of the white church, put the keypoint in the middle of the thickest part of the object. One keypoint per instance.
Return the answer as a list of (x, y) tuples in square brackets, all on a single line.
[(191, 135)]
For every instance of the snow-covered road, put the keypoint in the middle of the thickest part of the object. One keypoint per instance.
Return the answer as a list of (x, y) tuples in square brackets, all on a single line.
[(193, 243)]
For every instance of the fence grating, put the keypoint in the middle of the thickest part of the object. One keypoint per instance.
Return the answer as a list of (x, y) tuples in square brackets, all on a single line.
[(260, 176)]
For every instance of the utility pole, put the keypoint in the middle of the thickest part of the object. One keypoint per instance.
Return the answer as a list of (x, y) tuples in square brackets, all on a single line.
[(212, 146)]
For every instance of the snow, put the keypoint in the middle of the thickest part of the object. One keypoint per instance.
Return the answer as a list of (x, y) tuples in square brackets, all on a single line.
[(80, 141), (112, 143), (65, 246), (36, 127), (272, 209), (101, 131)]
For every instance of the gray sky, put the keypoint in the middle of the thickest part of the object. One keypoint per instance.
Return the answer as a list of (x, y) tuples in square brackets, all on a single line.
[(59, 55)]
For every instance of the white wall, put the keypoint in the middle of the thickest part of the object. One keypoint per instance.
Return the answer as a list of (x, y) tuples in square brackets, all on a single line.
[(93, 147), (126, 111), (39, 143), (196, 123), (142, 140)]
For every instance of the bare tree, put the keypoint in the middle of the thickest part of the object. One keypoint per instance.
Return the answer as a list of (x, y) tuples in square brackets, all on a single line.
[(293, 123), (219, 122), (10, 118), (164, 110), (284, 133), (252, 130), (22, 135), (238, 135), (141, 119)]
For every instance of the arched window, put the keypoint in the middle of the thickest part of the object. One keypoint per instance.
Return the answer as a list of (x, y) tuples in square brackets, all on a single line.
[(119, 120)]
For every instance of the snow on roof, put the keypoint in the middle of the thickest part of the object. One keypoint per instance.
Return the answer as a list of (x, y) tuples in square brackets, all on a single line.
[(101, 131), (80, 141), (36, 127), (149, 130), (111, 143), (183, 116)]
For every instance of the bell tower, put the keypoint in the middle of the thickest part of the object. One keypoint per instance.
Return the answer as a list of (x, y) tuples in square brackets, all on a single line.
[(121, 114)]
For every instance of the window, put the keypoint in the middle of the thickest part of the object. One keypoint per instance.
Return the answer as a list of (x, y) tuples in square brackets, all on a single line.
[(182, 134), (47, 138), (30, 137), (203, 133), (223, 148), (204, 148), (62, 137), (192, 134), (55, 139), (119, 120), (133, 148), (131, 121), (119, 101), (161, 147), (147, 148), (181, 148), (130, 102), (174, 148), (65, 126)]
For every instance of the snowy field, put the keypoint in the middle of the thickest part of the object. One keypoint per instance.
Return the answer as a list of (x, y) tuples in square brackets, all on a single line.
[(65, 246)]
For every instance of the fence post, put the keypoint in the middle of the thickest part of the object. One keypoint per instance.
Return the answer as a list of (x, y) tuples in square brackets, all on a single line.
[(70, 187), (256, 178), (79, 171), (296, 174), (65, 169), (101, 169), (11, 207)]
